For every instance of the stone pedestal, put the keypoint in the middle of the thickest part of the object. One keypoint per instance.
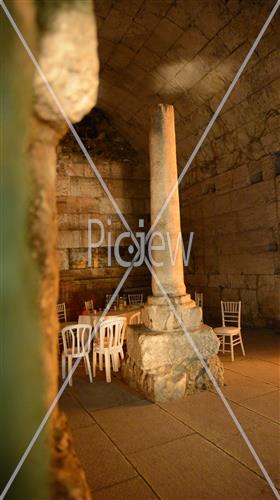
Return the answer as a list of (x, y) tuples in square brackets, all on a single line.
[(160, 360), (163, 366)]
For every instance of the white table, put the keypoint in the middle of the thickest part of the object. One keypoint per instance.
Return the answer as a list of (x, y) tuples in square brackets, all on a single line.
[(126, 312)]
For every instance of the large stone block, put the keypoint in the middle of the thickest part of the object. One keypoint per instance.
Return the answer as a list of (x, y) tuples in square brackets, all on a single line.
[(268, 296), (69, 239), (163, 37), (216, 280), (254, 217), (234, 33), (158, 315), (164, 366), (85, 186), (63, 259), (115, 25), (62, 185), (262, 263), (249, 305), (229, 294), (254, 195)]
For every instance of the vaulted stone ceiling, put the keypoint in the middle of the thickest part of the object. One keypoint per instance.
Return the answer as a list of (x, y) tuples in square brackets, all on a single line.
[(185, 52)]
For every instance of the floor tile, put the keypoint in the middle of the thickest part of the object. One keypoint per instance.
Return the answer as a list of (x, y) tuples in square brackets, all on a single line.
[(205, 413), (257, 369), (100, 394), (133, 489), (266, 442), (240, 387), (77, 417), (104, 465), (267, 405), (192, 468), (140, 426)]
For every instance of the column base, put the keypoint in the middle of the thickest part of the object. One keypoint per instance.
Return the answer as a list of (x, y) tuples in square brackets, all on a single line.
[(158, 316), (163, 365)]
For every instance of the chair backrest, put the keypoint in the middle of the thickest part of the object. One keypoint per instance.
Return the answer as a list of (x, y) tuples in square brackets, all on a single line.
[(135, 319), (108, 298), (76, 339), (135, 298), (89, 306), (198, 297), (111, 332), (61, 312), (231, 313)]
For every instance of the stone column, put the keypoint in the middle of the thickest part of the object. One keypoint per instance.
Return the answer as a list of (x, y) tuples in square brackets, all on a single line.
[(166, 240), (167, 233), (160, 360)]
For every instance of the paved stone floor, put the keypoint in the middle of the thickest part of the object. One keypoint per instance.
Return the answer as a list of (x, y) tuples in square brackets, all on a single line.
[(186, 449)]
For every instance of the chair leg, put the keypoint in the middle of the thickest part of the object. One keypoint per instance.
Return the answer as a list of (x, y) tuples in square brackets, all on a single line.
[(100, 359), (70, 368), (121, 353), (242, 346), (224, 345), (88, 367), (115, 362), (107, 366), (113, 359), (231, 348), (94, 360), (85, 363), (63, 366)]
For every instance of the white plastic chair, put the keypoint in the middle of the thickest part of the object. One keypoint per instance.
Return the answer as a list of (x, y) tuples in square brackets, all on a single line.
[(109, 343), (135, 298), (76, 344), (231, 329), (135, 319), (89, 306), (61, 312)]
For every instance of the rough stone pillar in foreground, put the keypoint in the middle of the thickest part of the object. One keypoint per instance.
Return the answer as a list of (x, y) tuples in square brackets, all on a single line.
[(163, 172), (160, 361)]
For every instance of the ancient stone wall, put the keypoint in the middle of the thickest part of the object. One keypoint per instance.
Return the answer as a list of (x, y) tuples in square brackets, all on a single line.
[(231, 196), (187, 53), (80, 197)]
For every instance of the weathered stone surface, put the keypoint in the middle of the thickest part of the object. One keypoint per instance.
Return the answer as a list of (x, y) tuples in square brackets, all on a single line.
[(157, 315), (80, 197), (175, 369), (68, 62), (161, 361)]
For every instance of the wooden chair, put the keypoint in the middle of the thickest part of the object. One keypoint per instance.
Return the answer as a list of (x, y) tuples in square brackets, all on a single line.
[(62, 318), (61, 312), (230, 333), (89, 306), (76, 344), (135, 298), (109, 343)]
